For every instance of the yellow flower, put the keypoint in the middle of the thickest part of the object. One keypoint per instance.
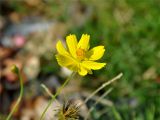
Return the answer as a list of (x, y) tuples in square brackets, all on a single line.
[(78, 57)]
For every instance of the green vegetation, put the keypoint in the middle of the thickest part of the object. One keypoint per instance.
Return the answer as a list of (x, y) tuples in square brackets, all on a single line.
[(130, 32)]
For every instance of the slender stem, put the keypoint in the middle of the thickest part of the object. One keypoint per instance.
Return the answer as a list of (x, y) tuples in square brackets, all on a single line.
[(54, 96), (19, 98), (47, 90), (92, 108), (102, 86)]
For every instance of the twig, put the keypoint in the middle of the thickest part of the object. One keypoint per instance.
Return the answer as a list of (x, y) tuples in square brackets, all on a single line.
[(97, 101), (47, 90), (105, 102), (103, 86)]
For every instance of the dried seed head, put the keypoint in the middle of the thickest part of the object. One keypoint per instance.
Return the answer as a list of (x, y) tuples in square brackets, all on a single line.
[(69, 111)]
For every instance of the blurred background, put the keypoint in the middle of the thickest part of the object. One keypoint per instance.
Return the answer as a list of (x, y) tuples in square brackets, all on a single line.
[(129, 30)]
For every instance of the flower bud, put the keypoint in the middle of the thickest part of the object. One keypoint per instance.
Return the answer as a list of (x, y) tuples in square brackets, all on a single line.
[(14, 69)]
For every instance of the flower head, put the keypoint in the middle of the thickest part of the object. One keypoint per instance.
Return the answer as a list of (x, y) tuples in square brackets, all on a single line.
[(78, 57)]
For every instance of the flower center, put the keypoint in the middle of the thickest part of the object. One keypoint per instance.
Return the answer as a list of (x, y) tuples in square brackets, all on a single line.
[(80, 53)]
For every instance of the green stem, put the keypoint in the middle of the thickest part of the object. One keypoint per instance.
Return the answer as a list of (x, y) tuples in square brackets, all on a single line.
[(54, 96), (19, 98)]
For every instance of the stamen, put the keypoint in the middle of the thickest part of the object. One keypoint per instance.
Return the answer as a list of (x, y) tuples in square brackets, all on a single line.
[(80, 53)]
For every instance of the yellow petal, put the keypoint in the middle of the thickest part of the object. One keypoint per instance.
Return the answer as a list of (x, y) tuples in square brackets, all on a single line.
[(72, 44), (93, 65), (60, 48), (95, 53), (67, 61), (82, 71), (84, 42)]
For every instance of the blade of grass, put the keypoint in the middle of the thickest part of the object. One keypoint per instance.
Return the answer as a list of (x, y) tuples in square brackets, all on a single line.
[(103, 86), (93, 106)]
